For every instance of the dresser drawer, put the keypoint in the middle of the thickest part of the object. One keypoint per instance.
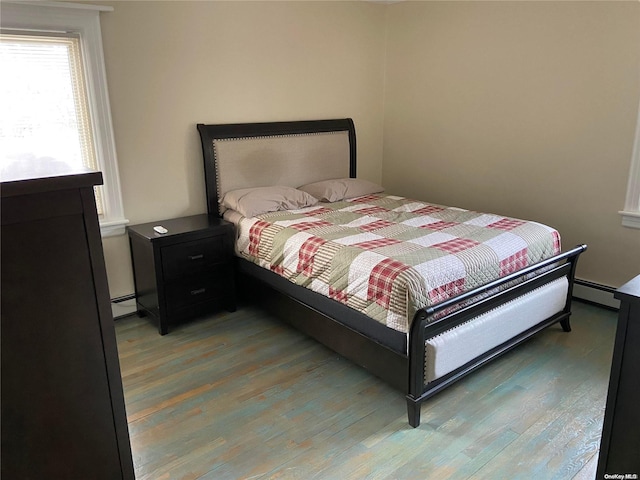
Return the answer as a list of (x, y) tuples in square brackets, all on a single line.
[(194, 290), (194, 257)]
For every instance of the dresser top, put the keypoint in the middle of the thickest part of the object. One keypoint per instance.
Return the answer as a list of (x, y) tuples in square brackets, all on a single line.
[(28, 177), (630, 291)]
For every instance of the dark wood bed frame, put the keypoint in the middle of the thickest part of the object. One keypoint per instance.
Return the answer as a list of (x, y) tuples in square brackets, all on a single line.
[(377, 348)]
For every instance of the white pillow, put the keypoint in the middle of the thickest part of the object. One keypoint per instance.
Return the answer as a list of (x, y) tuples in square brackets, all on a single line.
[(340, 189), (251, 202)]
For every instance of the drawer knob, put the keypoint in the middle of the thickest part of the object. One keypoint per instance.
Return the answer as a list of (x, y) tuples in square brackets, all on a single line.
[(198, 291), (196, 257)]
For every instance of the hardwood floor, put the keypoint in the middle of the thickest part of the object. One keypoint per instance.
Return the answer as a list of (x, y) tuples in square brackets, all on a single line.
[(241, 395)]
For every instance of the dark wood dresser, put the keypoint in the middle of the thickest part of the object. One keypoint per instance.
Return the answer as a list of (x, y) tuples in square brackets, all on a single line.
[(63, 411), (620, 443)]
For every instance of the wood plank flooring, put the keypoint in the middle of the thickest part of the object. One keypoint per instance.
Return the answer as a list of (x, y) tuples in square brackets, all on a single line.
[(243, 396)]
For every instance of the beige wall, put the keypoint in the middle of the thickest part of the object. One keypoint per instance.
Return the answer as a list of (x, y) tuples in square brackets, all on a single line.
[(171, 65), (521, 108)]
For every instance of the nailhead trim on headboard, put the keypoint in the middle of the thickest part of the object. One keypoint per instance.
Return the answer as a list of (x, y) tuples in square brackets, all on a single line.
[(286, 168)]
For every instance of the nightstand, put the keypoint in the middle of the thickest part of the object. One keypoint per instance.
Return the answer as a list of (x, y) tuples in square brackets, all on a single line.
[(185, 272)]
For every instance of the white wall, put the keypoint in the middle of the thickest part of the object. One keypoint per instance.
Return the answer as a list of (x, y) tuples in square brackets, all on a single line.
[(522, 108), (171, 65)]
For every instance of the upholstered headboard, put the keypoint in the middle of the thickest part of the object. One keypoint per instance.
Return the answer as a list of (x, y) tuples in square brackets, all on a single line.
[(245, 155)]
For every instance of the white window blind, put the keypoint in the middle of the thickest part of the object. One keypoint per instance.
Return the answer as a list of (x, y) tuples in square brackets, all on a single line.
[(45, 115)]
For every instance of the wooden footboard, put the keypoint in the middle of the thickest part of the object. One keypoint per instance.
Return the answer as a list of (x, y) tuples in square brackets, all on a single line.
[(324, 320), (432, 321)]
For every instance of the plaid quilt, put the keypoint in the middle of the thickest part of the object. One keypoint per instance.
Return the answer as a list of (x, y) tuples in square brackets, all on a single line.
[(387, 256)]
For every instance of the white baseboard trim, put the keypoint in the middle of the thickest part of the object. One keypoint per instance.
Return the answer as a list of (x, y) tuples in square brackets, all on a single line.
[(595, 293), (123, 306), (583, 290)]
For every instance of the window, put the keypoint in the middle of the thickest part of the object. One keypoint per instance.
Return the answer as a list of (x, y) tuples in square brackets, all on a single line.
[(55, 104), (45, 113), (631, 212)]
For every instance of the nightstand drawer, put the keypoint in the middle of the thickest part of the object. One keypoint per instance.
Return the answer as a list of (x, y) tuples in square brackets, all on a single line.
[(193, 290), (194, 257)]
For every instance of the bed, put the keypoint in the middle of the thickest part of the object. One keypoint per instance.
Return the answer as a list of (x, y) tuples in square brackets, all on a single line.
[(497, 280)]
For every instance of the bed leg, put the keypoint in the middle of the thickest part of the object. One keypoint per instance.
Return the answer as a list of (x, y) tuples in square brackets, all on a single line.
[(566, 325), (413, 412)]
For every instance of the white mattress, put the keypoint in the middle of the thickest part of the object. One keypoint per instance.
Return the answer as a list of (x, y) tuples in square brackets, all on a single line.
[(455, 347)]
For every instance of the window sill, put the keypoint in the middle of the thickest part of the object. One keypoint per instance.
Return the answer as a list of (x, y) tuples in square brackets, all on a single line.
[(630, 219), (113, 228)]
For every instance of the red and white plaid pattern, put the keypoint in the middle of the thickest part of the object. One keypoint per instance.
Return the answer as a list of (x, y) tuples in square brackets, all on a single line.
[(377, 225), (448, 290), (556, 241), (456, 245), (307, 253), (338, 295), (302, 226), (506, 224), (377, 243), (428, 209), (514, 262), (279, 269), (381, 280), (254, 236)]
